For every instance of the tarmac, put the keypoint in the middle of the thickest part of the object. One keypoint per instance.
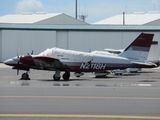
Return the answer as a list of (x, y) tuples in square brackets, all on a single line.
[(130, 96)]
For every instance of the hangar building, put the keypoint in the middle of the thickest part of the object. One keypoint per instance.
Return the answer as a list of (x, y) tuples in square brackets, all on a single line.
[(22, 38)]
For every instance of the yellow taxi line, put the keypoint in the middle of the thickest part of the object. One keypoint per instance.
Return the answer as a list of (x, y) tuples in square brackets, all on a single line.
[(81, 116), (84, 97)]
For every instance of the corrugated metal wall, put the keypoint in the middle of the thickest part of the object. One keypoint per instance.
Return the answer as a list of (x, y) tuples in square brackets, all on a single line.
[(0, 45), (83, 41), (24, 41), (62, 39)]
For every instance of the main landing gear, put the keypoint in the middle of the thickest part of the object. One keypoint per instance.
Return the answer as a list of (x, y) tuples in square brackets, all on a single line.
[(57, 75)]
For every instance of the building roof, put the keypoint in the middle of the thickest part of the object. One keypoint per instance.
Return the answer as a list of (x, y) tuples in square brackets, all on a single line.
[(138, 18), (26, 17), (40, 17), (79, 27)]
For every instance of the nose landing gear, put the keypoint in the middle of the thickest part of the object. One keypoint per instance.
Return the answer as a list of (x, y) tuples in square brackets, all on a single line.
[(25, 76)]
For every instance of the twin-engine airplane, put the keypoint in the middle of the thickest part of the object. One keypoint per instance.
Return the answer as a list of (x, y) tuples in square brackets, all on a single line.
[(56, 59)]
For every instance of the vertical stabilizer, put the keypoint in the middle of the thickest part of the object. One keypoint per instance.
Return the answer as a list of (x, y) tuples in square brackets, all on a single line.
[(139, 48)]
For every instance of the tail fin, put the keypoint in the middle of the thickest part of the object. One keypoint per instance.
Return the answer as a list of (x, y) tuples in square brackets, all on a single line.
[(139, 48)]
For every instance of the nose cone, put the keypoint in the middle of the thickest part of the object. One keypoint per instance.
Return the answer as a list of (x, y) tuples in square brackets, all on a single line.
[(11, 62)]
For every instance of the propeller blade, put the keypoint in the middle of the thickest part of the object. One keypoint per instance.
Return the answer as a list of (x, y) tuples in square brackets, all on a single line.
[(32, 52), (18, 68), (17, 55), (17, 63)]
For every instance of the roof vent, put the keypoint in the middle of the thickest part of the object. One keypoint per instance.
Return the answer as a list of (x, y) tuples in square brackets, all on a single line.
[(41, 13), (139, 12), (154, 12), (27, 13)]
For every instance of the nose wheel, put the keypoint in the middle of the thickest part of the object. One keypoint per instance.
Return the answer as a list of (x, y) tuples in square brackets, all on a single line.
[(25, 76)]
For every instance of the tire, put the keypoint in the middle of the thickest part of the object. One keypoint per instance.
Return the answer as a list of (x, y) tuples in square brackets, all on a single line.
[(66, 75), (56, 78), (25, 76)]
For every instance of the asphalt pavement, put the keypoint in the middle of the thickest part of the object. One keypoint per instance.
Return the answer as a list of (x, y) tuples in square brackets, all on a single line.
[(130, 96)]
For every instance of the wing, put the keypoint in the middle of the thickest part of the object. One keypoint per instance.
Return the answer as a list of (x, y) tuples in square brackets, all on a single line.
[(49, 63)]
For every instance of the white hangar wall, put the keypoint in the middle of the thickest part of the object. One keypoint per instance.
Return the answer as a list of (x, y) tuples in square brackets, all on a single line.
[(0, 45), (24, 41), (85, 41), (62, 39)]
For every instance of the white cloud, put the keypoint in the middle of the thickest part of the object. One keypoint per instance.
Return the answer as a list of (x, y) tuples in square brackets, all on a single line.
[(29, 6)]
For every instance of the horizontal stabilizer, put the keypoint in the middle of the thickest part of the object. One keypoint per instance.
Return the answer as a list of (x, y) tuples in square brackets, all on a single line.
[(145, 64)]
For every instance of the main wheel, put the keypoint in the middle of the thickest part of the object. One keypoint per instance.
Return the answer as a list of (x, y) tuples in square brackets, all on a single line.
[(56, 78), (66, 75)]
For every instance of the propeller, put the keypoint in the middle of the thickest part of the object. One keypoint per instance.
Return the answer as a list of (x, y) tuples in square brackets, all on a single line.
[(18, 68), (18, 61)]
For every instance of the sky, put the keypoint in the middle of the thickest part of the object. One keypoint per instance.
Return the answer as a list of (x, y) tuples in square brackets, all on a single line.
[(94, 10)]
